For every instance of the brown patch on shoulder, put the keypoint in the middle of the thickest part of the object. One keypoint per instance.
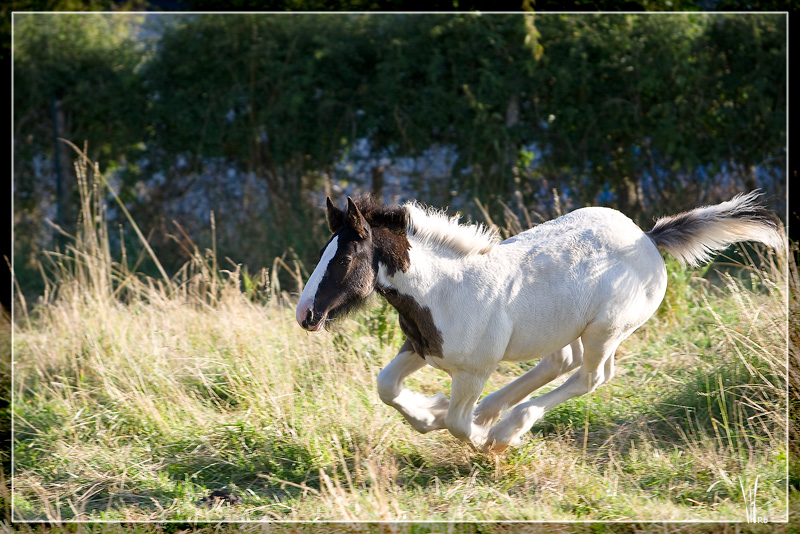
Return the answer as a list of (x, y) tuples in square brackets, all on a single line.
[(416, 322)]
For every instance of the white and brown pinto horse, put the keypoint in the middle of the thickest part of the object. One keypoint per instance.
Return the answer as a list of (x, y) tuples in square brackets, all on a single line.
[(567, 292)]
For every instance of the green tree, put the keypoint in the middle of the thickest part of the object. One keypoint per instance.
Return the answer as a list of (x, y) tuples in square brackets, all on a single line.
[(272, 96), (640, 111), (74, 77), (649, 108), (744, 65), (453, 81), (20, 6)]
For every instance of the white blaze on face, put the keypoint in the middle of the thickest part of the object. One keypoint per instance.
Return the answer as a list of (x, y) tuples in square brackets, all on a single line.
[(310, 290)]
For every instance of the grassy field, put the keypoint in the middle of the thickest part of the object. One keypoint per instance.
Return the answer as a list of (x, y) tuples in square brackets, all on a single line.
[(137, 398)]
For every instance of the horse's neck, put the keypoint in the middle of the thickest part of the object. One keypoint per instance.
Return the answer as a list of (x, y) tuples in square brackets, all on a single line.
[(427, 270)]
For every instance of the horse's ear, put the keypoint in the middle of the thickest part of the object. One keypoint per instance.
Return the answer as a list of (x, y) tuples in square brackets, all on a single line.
[(355, 219), (335, 216)]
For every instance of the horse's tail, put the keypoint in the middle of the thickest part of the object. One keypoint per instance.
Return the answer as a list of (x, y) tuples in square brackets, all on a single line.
[(693, 235)]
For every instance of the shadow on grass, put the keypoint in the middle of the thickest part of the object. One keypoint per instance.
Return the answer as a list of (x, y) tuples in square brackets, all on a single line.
[(724, 404), (726, 413)]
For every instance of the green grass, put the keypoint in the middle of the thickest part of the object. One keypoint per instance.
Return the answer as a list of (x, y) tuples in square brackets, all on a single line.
[(136, 398)]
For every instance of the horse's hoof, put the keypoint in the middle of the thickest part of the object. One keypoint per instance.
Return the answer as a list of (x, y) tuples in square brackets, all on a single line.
[(494, 447)]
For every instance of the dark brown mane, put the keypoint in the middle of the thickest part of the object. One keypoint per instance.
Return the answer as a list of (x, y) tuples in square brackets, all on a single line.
[(389, 225), (394, 218)]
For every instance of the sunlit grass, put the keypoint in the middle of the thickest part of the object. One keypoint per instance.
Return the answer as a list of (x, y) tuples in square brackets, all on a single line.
[(135, 398)]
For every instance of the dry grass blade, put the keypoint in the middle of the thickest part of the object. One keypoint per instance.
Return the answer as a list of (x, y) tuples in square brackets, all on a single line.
[(87, 162)]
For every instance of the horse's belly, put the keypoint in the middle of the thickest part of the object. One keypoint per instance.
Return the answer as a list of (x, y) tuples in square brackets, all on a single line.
[(541, 339)]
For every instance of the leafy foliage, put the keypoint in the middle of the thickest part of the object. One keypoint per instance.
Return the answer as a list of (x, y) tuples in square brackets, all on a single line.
[(649, 108), (88, 63), (646, 113), (77, 71)]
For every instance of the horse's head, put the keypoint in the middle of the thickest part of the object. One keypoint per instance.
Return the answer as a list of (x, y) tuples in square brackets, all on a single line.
[(347, 271)]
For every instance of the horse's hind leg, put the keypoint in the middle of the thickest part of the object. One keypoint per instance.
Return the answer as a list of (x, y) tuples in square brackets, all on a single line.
[(423, 413), (599, 347), (548, 369)]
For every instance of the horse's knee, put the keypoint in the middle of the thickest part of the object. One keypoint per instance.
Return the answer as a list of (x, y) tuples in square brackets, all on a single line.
[(595, 379), (460, 427), (489, 409), (570, 367), (586, 382), (390, 378), (388, 387)]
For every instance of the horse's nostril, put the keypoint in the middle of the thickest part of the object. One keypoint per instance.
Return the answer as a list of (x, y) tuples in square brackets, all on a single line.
[(309, 318)]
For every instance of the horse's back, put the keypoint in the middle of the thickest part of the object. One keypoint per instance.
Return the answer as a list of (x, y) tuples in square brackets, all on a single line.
[(591, 265), (586, 223)]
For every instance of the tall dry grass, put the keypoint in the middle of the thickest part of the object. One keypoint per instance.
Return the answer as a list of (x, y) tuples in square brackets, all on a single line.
[(135, 398)]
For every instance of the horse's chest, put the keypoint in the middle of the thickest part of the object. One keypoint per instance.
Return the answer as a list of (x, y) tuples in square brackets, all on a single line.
[(417, 324)]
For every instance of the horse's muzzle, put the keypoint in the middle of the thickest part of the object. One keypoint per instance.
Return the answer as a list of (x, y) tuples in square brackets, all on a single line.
[(308, 319)]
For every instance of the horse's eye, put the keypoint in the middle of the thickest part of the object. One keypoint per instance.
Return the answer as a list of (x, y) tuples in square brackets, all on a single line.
[(344, 261)]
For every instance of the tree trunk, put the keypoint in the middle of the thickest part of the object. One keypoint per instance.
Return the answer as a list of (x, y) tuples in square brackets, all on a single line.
[(512, 149), (630, 202), (377, 182), (748, 174), (62, 168)]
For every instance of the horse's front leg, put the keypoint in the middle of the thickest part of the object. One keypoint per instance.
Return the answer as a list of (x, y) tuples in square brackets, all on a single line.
[(423, 413), (465, 389)]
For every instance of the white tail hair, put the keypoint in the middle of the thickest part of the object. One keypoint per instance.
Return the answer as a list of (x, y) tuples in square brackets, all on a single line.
[(693, 236)]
